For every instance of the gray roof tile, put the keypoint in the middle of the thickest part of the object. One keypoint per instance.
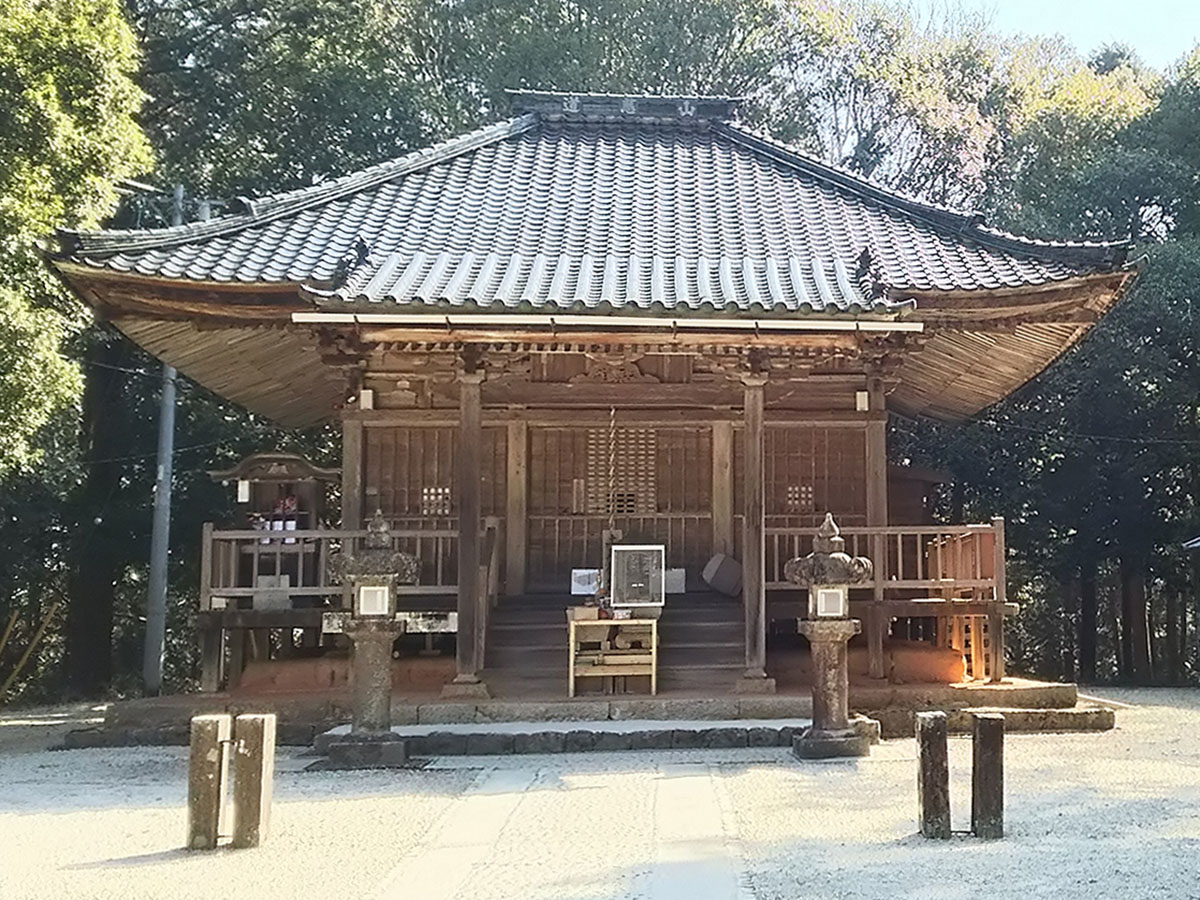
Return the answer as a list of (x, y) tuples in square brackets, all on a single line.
[(601, 208)]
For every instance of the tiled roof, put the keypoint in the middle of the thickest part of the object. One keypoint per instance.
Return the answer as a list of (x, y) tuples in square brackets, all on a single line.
[(594, 201)]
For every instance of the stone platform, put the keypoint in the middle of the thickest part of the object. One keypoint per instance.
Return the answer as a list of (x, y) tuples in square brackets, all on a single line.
[(1029, 706)]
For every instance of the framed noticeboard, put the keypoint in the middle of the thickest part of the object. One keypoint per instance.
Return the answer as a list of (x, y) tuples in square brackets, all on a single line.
[(636, 575)]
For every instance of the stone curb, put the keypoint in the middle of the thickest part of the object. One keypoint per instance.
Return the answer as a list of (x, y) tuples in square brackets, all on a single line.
[(445, 743)]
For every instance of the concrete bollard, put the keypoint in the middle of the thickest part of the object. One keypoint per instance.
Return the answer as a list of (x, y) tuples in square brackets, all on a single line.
[(933, 775), (208, 769), (987, 775), (253, 777)]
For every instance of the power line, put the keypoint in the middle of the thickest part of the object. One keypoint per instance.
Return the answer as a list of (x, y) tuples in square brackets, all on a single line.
[(178, 450)]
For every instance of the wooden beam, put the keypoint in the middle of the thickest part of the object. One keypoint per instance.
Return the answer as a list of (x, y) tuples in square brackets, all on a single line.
[(352, 474), (516, 508), (843, 342), (448, 417), (469, 464), (754, 592), (722, 487)]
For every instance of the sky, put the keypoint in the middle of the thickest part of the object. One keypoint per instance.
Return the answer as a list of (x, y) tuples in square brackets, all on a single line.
[(1160, 31)]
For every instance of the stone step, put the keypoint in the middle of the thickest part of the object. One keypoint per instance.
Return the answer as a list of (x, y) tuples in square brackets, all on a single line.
[(901, 723)]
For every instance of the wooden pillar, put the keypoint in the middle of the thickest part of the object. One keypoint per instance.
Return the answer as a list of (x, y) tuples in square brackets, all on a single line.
[(996, 618), (352, 474), (933, 775), (876, 456), (722, 487), (877, 515), (516, 511), (987, 775), (754, 595), (467, 477)]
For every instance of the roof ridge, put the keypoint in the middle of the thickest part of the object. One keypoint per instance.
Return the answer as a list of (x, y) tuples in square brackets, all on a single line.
[(969, 224), (287, 203), (582, 105)]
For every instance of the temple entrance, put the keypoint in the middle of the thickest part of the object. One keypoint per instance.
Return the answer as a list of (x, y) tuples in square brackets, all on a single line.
[(653, 484)]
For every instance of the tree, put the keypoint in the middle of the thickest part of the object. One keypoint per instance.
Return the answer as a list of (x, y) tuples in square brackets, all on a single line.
[(67, 136)]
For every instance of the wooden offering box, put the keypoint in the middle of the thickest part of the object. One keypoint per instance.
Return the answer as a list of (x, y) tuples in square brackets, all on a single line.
[(611, 648)]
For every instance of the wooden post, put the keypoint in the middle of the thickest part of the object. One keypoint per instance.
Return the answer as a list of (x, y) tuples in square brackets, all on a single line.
[(212, 655), (987, 775), (975, 623), (754, 595), (996, 617), (470, 440), (236, 639), (208, 768), (516, 512), (933, 775), (722, 487), (352, 474), (253, 774), (212, 637), (877, 516)]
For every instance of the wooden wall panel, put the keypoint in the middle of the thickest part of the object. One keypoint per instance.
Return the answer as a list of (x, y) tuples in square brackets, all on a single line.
[(670, 475), (811, 471), (409, 472)]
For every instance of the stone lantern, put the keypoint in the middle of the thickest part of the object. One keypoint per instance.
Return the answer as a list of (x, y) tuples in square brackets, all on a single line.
[(828, 572), (372, 574)]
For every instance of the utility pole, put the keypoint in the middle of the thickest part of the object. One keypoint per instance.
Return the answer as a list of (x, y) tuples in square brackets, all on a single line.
[(160, 534)]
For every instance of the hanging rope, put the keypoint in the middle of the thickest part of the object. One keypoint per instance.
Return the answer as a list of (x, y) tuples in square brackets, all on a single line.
[(612, 468)]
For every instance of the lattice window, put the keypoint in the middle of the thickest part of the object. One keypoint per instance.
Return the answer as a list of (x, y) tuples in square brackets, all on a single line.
[(800, 498), (633, 475), (435, 501)]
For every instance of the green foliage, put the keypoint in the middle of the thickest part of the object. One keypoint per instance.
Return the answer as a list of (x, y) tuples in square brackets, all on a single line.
[(67, 135)]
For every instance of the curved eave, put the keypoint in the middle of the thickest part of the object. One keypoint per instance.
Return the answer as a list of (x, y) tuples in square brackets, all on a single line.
[(976, 354)]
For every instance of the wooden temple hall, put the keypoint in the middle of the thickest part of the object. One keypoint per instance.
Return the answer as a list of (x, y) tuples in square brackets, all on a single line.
[(604, 321)]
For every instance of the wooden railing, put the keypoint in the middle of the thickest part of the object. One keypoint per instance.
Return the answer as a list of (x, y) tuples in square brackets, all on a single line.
[(558, 543), (290, 569), (953, 575), (943, 561)]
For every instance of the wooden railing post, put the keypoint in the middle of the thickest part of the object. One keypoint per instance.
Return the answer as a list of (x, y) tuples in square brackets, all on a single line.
[(486, 586), (996, 618), (877, 623)]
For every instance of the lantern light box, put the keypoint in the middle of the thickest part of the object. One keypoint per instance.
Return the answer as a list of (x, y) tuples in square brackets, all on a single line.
[(373, 600), (829, 601), (637, 575)]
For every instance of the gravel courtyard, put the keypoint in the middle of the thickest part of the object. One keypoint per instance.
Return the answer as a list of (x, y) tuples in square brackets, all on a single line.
[(1091, 815)]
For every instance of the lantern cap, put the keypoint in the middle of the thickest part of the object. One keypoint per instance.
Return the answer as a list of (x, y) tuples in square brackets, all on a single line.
[(828, 564)]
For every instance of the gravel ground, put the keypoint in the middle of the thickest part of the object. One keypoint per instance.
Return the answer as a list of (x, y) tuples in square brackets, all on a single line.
[(1090, 815)]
